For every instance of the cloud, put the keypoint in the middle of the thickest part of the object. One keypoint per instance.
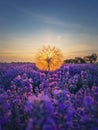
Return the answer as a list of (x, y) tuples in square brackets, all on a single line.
[(32, 42), (24, 47), (49, 20), (55, 21)]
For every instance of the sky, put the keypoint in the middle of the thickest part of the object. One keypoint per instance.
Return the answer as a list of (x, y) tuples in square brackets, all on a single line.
[(28, 25)]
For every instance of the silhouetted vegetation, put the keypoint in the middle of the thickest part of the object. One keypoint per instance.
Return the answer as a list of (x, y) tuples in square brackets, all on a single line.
[(87, 59)]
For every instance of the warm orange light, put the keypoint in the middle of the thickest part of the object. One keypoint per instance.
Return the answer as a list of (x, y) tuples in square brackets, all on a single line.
[(49, 58)]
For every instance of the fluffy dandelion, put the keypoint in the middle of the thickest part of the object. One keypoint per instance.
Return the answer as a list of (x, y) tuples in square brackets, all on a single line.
[(49, 58)]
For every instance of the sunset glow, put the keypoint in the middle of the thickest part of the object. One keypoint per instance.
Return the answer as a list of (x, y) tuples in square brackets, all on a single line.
[(49, 58), (25, 26), (48, 64)]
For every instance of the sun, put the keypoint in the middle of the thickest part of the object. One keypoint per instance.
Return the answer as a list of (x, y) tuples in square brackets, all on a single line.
[(49, 58)]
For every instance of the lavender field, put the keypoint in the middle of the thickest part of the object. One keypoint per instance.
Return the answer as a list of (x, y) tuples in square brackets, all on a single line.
[(64, 99)]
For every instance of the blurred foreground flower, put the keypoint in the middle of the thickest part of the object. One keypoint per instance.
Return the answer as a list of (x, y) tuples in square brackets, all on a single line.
[(49, 58)]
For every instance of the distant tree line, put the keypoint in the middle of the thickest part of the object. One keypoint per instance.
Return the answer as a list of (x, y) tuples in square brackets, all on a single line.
[(86, 59)]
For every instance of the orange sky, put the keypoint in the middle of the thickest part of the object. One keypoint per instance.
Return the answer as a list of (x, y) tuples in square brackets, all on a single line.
[(24, 47)]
